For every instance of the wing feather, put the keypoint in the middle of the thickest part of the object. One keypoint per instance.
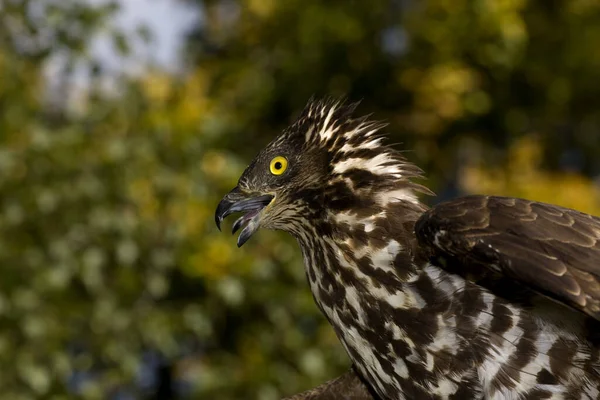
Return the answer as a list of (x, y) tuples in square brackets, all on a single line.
[(549, 249)]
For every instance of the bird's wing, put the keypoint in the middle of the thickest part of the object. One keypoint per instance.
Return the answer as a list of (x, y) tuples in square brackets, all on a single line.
[(345, 387), (552, 250)]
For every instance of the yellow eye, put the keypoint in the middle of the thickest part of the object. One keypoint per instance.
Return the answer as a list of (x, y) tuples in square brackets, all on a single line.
[(278, 165)]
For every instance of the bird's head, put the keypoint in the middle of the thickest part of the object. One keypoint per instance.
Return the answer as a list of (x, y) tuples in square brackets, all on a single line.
[(326, 161)]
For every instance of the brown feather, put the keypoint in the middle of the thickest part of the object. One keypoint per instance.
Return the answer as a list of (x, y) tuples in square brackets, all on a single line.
[(345, 387), (550, 249)]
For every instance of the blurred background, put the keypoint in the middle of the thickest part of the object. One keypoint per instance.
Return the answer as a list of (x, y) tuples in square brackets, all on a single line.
[(122, 123)]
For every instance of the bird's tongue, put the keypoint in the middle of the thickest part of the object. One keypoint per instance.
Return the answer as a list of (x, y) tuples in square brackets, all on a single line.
[(251, 226), (243, 219)]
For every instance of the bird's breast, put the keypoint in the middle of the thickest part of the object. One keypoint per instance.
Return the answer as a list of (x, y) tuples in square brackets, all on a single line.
[(391, 324), (431, 334)]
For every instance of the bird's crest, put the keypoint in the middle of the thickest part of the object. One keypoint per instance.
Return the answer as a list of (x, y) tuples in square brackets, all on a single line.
[(355, 145)]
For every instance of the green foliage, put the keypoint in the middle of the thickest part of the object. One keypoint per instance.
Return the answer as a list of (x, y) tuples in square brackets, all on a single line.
[(107, 241)]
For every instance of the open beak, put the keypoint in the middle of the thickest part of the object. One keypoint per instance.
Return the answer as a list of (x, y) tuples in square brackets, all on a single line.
[(249, 203)]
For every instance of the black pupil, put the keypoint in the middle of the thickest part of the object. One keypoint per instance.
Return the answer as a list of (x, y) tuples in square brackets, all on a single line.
[(278, 165)]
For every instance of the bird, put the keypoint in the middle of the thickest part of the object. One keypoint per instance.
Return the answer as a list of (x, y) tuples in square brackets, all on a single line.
[(478, 297)]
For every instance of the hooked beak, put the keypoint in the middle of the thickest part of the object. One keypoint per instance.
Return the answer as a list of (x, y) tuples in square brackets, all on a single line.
[(249, 203)]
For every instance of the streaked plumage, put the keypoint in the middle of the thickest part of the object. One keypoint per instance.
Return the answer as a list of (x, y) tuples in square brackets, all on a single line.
[(480, 297)]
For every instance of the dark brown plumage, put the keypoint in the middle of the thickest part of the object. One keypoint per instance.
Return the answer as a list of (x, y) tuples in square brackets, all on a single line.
[(550, 249)]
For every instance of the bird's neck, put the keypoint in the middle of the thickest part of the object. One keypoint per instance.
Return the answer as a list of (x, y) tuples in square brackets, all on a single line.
[(353, 256)]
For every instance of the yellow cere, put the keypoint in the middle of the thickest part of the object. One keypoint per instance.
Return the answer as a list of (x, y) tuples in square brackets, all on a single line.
[(278, 165)]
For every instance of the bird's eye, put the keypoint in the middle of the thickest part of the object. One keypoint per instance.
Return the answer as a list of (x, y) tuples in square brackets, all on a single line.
[(278, 165)]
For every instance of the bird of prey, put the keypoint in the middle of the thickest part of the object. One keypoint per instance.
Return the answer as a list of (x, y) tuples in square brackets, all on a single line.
[(481, 297)]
